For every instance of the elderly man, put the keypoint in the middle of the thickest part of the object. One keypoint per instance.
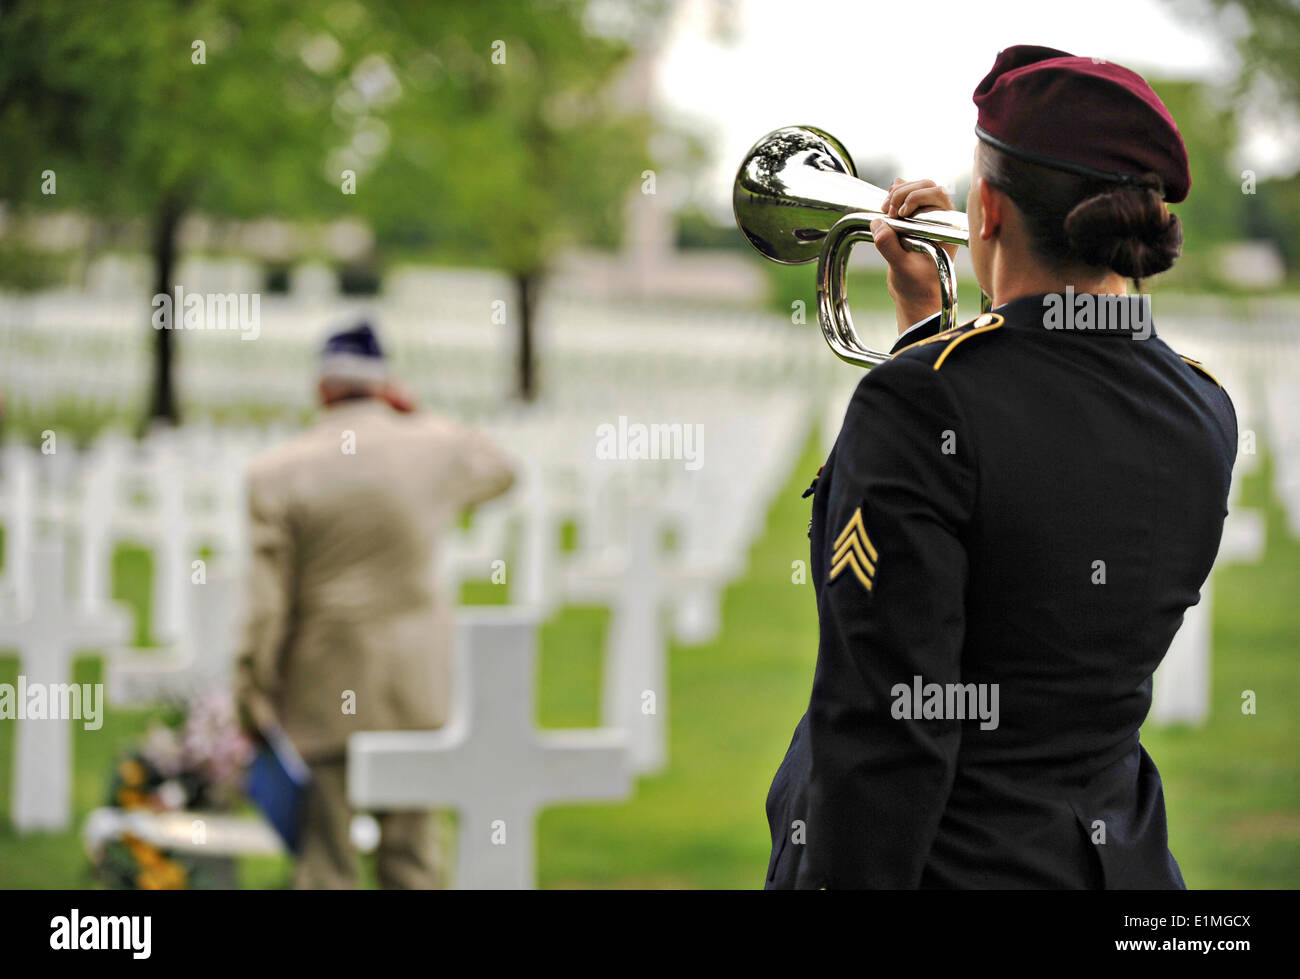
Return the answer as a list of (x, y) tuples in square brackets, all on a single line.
[(346, 629)]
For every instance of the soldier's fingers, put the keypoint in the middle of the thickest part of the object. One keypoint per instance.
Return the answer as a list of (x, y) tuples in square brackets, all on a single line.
[(900, 190), (903, 187), (886, 241), (918, 200), (889, 193)]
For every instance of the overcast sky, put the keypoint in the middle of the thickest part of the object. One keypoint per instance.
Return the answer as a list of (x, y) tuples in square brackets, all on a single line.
[(893, 80)]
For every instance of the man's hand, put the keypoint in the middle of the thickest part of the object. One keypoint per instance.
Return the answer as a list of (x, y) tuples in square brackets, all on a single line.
[(912, 281), (398, 398), (255, 714)]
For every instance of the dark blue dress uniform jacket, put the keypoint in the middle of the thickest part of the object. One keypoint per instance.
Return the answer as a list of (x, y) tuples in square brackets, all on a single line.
[(1035, 508)]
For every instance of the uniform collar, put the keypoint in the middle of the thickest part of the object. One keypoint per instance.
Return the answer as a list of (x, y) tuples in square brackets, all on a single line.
[(1082, 313)]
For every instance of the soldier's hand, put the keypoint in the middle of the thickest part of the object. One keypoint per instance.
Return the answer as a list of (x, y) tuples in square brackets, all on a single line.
[(913, 283)]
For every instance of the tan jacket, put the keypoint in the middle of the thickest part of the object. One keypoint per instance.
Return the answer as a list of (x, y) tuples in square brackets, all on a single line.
[(342, 604)]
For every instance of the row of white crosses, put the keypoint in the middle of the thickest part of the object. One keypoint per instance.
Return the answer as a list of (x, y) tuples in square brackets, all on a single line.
[(1283, 396), (620, 561), (624, 510), (455, 349), (138, 494), (63, 510), (121, 484), (184, 494), (489, 763)]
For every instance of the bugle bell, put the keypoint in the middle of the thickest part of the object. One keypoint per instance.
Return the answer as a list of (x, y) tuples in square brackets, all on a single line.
[(797, 197)]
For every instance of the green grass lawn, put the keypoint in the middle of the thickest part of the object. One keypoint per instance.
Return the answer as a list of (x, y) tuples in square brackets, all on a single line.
[(1233, 786)]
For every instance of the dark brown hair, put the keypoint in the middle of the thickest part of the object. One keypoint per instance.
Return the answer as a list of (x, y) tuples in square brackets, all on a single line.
[(1076, 219)]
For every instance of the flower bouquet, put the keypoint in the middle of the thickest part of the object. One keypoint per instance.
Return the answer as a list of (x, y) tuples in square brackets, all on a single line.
[(193, 760)]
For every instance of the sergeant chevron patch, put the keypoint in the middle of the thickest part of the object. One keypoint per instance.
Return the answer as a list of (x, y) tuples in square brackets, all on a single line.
[(852, 548)]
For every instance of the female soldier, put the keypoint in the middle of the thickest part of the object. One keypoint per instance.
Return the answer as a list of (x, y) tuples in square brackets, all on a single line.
[(1013, 520)]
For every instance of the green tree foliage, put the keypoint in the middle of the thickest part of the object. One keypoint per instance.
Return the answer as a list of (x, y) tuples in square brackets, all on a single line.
[(155, 108), (1267, 40), (516, 139), (152, 109), (1213, 211), (1269, 43)]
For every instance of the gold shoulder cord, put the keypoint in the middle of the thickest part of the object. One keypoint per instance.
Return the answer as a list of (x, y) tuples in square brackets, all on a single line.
[(1200, 367), (984, 324), (945, 335)]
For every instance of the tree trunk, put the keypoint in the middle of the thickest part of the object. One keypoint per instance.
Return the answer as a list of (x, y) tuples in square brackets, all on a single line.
[(527, 286), (163, 401)]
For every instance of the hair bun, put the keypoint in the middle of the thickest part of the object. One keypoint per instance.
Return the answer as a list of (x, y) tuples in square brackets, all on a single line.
[(1127, 229)]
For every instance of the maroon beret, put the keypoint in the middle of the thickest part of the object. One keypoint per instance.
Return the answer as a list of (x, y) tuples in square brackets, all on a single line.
[(1080, 115)]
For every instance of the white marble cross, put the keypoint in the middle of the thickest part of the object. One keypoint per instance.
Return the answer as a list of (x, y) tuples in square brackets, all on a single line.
[(635, 695), (103, 472), (136, 494), (170, 545), (468, 555), (1181, 688), (204, 657), (534, 579), (489, 762), (46, 633), (18, 469)]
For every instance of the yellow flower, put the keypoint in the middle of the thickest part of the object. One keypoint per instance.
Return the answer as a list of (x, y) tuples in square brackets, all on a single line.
[(132, 772), (166, 876), (131, 799), (145, 854)]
